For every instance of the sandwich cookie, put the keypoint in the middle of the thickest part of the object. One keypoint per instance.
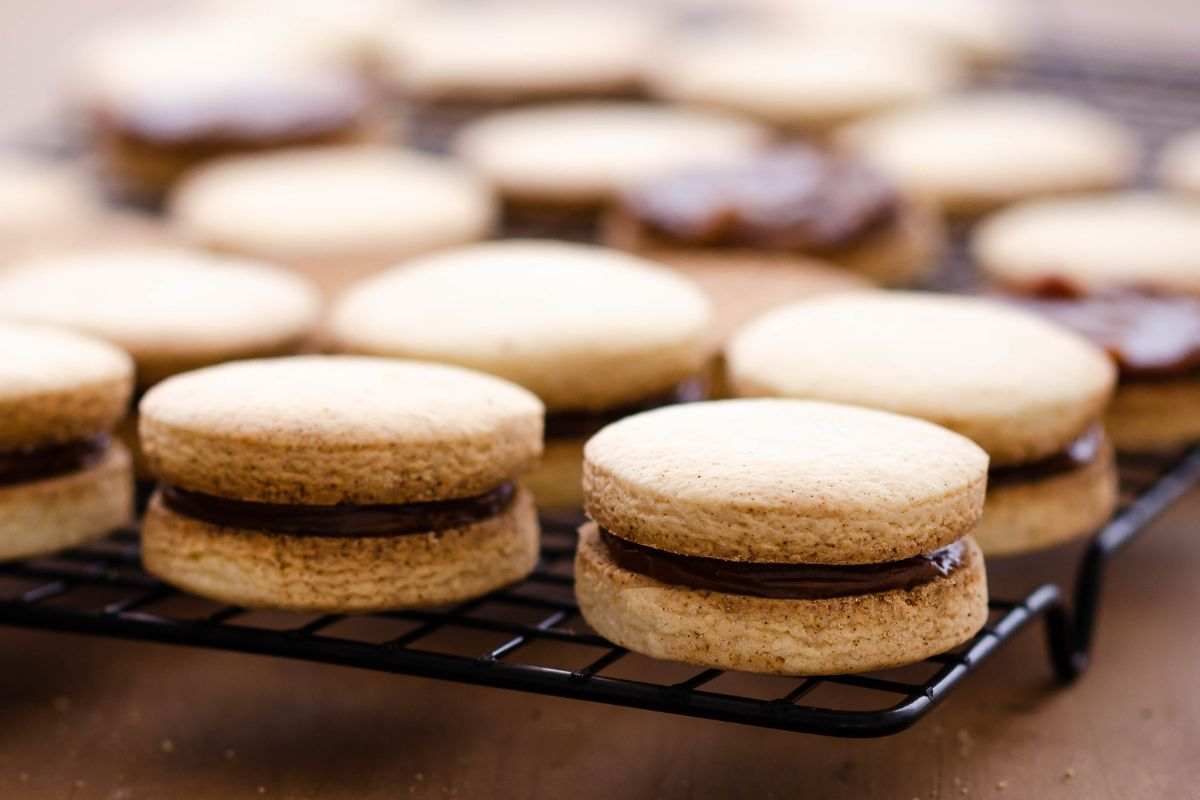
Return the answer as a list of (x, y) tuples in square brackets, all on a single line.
[(595, 333), (557, 165), (1179, 164), (782, 536), (63, 481), (41, 200), (1029, 392), (339, 484), (336, 214), (1124, 271), (973, 153), (172, 309), (802, 80), (780, 204), (162, 97), (452, 64)]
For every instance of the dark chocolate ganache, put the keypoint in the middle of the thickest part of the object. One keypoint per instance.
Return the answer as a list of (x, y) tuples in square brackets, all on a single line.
[(343, 520), (255, 113), (1077, 454), (782, 581), (794, 197), (36, 463), (582, 424), (1151, 336)]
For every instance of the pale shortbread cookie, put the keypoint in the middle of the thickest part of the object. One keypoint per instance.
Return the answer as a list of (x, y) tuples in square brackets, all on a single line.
[(975, 152), (259, 569), (171, 309), (1133, 240), (584, 153), (1032, 515), (557, 481), (57, 386), (334, 213), (805, 80), (984, 32), (66, 510), (1179, 164), (582, 327), (40, 200), (321, 430), (1021, 387), (785, 481), (857, 633), (1150, 416), (497, 52)]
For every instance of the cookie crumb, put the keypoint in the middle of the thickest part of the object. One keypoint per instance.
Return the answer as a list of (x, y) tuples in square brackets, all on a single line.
[(230, 754), (262, 790), (23, 777), (1001, 786), (966, 742), (1068, 774), (79, 784), (167, 746)]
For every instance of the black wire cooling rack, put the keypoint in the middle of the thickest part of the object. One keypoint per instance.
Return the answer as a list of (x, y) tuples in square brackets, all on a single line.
[(530, 636)]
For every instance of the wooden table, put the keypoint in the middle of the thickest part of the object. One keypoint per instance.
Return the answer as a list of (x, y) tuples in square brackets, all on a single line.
[(86, 718)]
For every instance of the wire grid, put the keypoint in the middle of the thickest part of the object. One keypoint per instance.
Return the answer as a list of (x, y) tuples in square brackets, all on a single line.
[(530, 636)]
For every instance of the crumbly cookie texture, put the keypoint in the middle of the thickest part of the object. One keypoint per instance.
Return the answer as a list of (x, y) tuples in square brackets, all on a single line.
[(790, 637), (1155, 416), (973, 153), (67, 510), (1033, 515), (1021, 387), (339, 429), (784, 480), (1096, 242), (258, 569), (582, 327), (57, 386)]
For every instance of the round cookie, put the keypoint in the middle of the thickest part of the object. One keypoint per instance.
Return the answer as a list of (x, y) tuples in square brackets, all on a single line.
[(501, 54), (171, 309), (62, 481), (1026, 390), (976, 152), (1094, 243), (340, 483), (808, 81), (582, 154), (1179, 164), (591, 331), (713, 521), (335, 214), (40, 200)]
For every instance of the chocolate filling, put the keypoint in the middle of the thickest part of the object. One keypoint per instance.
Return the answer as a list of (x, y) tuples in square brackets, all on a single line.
[(1078, 454), (344, 520), (789, 198), (1151, 336), (582, 424), (782, 581), (36, 463)]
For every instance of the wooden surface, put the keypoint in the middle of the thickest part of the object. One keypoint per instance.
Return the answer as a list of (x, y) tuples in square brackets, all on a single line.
[(100, 719)]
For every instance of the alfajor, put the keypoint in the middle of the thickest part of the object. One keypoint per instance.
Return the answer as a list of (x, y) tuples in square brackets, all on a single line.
[(1030, 393), (597, 334), (1124, 271), (785, 203), (63, 480), (975, 152), (334, 214), (339, 483), (782, 536)]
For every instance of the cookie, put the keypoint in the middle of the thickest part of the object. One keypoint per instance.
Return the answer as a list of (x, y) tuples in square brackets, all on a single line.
[(802, 80), (582, 154), (161, 97), (782, 536), (594, 333), (339, 483), (1179, 164), (780, 204), (973, 153), (1029, 392), (63, 481), (335, 214)]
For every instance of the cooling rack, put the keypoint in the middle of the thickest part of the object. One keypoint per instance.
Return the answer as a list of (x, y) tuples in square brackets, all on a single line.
[(530, 637)]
